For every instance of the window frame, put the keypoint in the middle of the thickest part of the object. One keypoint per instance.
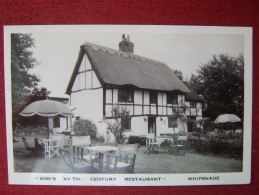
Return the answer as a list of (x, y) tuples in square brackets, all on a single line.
[(153, 97), (126, 123), (128, 93), (56, 122), (172, 98), (193, 104)]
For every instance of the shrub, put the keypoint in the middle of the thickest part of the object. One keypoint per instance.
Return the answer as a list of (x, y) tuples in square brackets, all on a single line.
[(84, 127), (218, 146), (134, 139), (137, 140)]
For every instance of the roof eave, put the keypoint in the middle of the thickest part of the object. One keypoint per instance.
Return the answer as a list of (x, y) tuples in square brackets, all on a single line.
[(75, 71)]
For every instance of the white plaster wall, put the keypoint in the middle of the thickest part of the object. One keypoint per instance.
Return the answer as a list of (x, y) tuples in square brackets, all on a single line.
[(138, 97), (85, 80), (162, 126), (88, 104), (138, 126)]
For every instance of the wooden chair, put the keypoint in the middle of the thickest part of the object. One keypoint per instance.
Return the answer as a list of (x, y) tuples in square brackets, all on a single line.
[(81, 140), (123, 161), (78, 166), (33, 151), (86, 141)]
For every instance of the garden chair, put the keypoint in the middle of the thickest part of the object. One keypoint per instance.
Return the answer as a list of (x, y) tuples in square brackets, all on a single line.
[(78, 166), (85, 141), (67, 141), (33, 151), (178, 145), (151, 144), (123, 161), (81, 140)]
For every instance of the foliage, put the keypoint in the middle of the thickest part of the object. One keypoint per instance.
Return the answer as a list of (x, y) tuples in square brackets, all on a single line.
[(36, 94), (24, 84), (29, 130), (219, 146), (84, 127), (136, 140), (221, 84), (114, 124), (22, 61)]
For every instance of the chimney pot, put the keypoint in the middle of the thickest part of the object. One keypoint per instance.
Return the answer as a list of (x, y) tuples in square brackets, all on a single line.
[(125, 45)]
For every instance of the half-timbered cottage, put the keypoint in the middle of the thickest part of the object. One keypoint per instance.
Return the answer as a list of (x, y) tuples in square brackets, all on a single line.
[(156, 100)]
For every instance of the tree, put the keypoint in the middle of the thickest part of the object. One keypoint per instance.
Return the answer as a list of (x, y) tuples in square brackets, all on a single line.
[(24, 84), (221, 84), (114, 125), (22, 61)]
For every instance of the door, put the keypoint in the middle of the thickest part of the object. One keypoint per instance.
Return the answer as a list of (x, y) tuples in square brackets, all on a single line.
[(152, 125), (190, 123)]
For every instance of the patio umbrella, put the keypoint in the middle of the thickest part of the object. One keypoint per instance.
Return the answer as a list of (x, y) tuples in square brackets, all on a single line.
[(224, 118), (46, 108)]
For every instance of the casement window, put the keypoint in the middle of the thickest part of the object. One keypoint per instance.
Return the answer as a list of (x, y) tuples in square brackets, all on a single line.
[(172, 98), (193, 104), (172, 122), (126, 123), (126, 95), (153, 97), (56, 122)]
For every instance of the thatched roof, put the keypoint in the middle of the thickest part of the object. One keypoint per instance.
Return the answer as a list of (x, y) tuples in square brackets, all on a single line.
[(193, 94), (115, 67)]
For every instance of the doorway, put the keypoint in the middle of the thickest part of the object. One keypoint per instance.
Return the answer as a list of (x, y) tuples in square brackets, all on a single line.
[(190, 123), (152, 125)]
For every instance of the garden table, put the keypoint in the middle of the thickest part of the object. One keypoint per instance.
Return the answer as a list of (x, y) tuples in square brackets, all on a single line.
[(78, 152)]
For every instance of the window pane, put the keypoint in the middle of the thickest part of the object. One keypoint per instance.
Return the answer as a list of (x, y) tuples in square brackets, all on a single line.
[(153, 97), (56, 122), (125, 95), (193, 104), (172, 98)]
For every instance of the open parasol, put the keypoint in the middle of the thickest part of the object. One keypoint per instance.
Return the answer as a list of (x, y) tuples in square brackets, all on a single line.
[(224, 118), (47, 108)]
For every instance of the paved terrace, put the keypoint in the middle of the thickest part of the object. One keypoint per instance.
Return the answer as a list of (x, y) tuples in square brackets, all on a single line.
[(145, 162)]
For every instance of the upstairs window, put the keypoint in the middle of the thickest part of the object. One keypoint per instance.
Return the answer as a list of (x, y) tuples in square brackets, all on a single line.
[(193, 104), (172, 122), (172, 98), (125, 123), (126, 95), (153, 97)]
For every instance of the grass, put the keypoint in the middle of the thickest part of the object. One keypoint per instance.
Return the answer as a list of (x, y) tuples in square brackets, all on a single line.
[(161, 162)]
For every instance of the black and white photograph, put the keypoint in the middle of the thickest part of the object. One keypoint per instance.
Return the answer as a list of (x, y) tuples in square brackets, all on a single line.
[(128, 105)]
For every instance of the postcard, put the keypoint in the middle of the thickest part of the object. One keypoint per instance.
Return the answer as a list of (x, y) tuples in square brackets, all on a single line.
[(128, 105)]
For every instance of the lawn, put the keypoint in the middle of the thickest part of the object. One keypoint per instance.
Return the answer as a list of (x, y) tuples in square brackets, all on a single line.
[(145, 162)]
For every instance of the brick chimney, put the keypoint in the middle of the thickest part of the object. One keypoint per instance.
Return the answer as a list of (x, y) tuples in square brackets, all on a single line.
[(125, 45)]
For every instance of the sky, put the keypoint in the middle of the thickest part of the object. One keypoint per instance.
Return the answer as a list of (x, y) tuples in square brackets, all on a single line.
[(57, 52)]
